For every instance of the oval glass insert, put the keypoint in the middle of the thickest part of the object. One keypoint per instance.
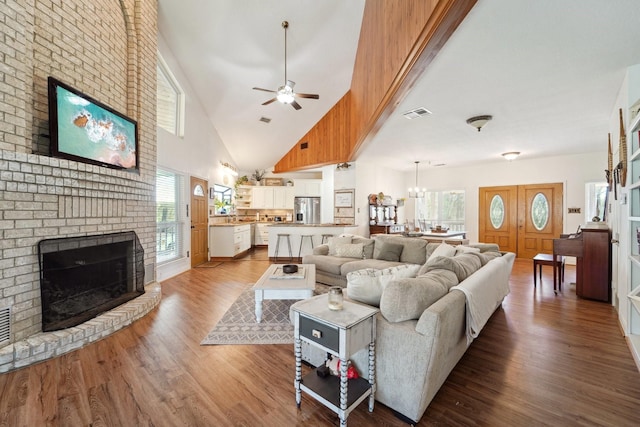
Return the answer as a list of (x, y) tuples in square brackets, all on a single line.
[(496, 211), (540, 211), (198, 190)]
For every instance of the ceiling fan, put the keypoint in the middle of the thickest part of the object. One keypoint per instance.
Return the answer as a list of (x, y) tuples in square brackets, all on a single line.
[(285, 93)]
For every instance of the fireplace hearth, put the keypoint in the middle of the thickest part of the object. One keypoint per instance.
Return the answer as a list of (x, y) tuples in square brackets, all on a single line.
[(81, 277)]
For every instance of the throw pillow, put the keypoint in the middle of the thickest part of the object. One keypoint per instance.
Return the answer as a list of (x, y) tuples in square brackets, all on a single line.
[(462, 265), (390, 251), (443, 250), (460, 249), (367, 285), (336, 241), (352, 250), (407, 300)]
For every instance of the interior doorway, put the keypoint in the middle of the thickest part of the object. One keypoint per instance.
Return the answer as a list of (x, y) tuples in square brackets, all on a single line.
[(521, 218), (199, 221)]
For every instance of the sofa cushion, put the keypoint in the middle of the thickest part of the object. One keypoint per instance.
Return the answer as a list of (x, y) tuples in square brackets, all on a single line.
[(415, 250), (443, 250), (462, 265), (390, 251), (407, 299), (367, 285), (367, 246), (355, 265), (335, 241), (327, 263), (351, 250), (461, 249), (485, 257)]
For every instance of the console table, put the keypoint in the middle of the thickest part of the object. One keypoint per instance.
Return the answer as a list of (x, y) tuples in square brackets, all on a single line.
[(341, 333)]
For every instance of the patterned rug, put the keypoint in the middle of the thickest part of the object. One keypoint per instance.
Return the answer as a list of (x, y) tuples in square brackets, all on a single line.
[(238, 325)]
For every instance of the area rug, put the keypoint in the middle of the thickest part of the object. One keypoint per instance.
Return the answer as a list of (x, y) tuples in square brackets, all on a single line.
[(238, 325)]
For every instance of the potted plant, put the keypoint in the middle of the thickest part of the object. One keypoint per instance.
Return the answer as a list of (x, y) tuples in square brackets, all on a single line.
[(258, 175)]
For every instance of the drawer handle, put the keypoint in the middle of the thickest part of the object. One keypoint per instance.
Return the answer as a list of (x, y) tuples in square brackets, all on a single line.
[(316, 333)]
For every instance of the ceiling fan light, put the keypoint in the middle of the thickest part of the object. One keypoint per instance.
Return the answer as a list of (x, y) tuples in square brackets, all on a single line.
[(285, 94)]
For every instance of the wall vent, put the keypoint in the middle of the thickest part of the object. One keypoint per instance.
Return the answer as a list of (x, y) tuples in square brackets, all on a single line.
[(416, 112), (304, 145), (5, 324), (265, 119)]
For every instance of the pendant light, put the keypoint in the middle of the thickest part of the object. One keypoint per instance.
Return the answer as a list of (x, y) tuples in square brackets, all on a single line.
[(416, 192)]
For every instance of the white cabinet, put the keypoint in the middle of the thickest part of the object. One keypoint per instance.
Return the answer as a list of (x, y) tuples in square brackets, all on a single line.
[(243, 197), (307, 188), (262, 234), (272, 198), (229, 241)]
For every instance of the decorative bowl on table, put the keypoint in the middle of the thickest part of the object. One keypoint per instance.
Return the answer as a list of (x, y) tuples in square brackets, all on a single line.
[(289, 268)]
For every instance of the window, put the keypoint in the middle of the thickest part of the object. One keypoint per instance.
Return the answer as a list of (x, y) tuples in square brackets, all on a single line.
[(170, 103), (445, 208), (596, 201), (169, 222)]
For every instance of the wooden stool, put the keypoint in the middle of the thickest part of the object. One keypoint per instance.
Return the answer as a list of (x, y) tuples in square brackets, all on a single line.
[(547, 259), (284, 236)]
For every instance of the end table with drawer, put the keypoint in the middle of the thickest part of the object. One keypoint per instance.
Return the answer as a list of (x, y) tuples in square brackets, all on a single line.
[(341, 333)]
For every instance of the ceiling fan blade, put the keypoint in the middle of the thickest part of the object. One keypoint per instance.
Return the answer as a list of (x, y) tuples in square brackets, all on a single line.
[(264, 90), (307, 95), (295, 105), (269, 101)]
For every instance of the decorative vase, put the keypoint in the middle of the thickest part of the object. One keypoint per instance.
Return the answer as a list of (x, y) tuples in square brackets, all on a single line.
[(335, 298)]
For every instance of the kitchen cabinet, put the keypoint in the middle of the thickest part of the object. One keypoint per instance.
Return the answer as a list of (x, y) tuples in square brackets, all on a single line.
[(307, 188), (243, 197), (262, 234), (229, 241), (272, 198)]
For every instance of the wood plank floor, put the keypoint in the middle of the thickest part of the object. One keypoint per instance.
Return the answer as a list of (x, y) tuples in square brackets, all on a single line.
[(541, 360)]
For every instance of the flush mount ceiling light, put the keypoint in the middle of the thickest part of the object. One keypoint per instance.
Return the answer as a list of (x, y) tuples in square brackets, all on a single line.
[(479, 121), (511, 155), (416, 193)]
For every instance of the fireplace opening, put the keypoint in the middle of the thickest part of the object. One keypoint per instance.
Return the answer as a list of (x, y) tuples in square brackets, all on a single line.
[(81, 277)]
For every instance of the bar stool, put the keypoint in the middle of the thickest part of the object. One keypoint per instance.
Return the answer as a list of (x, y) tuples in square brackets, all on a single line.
[(326, 237), (284, 236), (302, 237)]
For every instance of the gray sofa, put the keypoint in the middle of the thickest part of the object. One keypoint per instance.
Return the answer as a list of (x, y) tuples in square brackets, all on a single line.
[(423, 327)]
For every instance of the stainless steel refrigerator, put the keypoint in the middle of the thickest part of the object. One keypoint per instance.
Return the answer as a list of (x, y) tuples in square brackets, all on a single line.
[(306, 210)]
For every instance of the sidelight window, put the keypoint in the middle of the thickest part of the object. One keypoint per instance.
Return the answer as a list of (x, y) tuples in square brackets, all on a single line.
[(169, 221)]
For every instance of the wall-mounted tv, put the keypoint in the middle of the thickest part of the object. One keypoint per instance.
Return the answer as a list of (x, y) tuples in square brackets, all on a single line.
[(86, 130)]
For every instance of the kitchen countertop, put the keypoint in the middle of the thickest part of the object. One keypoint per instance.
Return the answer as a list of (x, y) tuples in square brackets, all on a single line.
[(295, 224)]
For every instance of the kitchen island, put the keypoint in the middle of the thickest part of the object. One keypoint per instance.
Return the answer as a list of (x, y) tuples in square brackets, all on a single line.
[(296, 231)]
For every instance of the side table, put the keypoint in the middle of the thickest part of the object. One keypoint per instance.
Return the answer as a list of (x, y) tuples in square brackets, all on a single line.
[(340, 333)]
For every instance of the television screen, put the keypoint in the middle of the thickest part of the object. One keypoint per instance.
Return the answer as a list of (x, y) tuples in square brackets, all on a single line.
[(86, 130)]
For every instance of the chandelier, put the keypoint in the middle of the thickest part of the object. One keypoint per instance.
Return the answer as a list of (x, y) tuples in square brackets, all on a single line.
[(416, 192)]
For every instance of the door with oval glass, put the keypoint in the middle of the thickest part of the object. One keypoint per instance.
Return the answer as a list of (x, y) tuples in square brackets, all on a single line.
[(521, 218), (199, 221)]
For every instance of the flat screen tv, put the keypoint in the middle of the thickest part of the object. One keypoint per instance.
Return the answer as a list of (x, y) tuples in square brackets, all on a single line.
[(86, 130)]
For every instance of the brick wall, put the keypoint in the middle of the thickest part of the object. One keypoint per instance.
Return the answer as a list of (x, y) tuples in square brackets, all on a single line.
[(106, 49)]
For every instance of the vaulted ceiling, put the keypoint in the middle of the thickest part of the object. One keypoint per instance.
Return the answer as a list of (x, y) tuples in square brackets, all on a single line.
[(547, 71)]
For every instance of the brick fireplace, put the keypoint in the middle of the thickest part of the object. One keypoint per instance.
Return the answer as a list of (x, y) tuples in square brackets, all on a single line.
[(107, 50)]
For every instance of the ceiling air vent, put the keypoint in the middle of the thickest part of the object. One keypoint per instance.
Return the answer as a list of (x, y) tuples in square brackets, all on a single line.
[(304, 145), (265, 119), (416, 112), (5, 324)]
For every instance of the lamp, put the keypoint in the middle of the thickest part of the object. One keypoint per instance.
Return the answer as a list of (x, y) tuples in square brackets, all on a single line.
[(511, 155), (479, 121), (416, 193)]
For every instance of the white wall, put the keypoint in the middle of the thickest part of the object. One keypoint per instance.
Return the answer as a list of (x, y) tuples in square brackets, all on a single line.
[(198, 153)]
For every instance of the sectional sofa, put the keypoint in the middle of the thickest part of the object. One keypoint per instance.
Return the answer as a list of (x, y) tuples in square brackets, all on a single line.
[(433, 299)]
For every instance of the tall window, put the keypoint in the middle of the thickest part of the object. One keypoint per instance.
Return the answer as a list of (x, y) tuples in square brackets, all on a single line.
[(170, 104), (169, 221), (445, 208)]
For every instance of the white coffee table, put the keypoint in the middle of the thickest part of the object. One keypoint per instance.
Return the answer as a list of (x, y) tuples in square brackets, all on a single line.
[(286, 288)]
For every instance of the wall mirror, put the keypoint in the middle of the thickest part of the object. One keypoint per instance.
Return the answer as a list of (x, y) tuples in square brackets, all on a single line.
[(221, 199), (595, 201)]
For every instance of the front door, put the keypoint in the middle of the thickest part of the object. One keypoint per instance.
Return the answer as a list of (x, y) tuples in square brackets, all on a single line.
[(199, 221), (521, 218)]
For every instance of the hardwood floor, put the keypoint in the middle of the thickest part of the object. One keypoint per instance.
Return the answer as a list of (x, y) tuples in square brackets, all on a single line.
[(541, 360)]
